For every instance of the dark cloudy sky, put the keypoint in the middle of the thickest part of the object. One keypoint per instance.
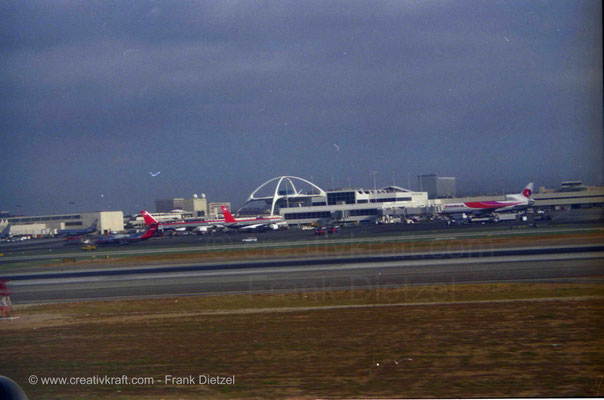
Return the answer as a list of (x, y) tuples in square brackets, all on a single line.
[(220, 96)]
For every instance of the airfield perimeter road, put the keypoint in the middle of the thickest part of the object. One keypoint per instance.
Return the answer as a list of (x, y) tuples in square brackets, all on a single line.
[(542, 264)]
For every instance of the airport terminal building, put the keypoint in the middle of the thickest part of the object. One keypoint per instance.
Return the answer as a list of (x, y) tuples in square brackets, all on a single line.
[(283, 196), (299, 206)]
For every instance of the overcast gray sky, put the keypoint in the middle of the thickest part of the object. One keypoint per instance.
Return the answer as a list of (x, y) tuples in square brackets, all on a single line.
[(219, 96)]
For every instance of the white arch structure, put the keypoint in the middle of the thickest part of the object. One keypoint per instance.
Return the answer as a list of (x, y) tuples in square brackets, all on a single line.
[(284, 180)]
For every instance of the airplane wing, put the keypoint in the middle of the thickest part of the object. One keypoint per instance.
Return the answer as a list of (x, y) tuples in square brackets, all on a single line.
[(251, 227), (482, 212)]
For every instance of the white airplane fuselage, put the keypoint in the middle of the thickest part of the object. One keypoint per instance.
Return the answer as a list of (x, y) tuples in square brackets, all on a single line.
[(512, 202)]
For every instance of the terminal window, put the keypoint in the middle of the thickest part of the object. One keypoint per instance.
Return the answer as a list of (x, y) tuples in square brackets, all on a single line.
[(308, 215), (364, 211), (338, 197)]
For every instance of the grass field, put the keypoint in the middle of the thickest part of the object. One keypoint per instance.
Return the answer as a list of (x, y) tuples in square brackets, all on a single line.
[(481, 243), (490, 340)]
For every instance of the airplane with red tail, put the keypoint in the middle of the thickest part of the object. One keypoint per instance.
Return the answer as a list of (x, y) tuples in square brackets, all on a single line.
[(127, 239), (199, 225), (271, 222), (512, 202)]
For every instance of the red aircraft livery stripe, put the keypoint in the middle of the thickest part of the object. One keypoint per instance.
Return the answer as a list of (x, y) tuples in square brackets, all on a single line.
[(489, 204)]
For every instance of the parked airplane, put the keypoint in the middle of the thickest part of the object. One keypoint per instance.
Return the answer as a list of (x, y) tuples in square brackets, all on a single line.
[(197, 225), (126, 239), (271, 222), (512, 202), (78, 232), (229, 221)]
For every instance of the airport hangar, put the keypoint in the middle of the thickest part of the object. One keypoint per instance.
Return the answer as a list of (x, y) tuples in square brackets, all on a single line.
[(107, 221)]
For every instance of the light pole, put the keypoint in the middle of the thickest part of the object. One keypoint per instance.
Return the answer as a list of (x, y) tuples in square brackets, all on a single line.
[(373, 173)]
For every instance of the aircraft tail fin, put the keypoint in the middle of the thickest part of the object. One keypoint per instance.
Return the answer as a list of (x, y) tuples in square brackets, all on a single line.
[(227, 215), (528, 190), (151, 231), (149, 220), (5, 231)]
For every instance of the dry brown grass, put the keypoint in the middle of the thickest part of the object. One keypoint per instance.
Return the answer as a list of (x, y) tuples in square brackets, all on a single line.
[(521, 348)]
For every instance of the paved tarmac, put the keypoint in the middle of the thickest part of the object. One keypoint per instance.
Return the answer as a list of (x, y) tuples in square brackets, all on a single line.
[(571, 263)]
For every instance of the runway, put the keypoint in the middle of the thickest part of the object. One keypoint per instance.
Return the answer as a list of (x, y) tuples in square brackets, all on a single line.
[(505, 265)]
